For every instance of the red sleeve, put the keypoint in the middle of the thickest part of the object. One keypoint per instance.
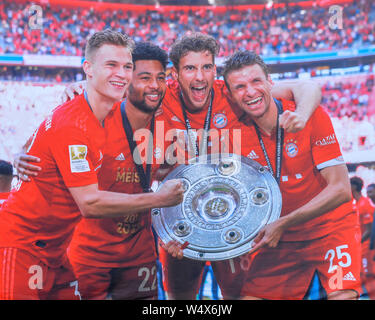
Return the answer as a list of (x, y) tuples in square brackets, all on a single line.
[(324, 144), (74, 157)]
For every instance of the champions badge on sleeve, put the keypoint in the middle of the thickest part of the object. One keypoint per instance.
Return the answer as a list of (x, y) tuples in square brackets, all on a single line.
[(227, 200)]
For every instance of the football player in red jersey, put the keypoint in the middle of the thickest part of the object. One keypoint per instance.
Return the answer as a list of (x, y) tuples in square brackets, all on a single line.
[(318, 231), (116, 258), (197, 101), (39, 219)]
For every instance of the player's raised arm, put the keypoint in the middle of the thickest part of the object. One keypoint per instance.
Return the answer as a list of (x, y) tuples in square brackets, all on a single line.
[(307, 96)]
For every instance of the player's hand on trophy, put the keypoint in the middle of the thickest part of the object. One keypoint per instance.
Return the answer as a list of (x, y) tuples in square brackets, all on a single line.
[(71, 90), (268, 236), (292, 121), (171, 193), (174, 248), (22, 163)]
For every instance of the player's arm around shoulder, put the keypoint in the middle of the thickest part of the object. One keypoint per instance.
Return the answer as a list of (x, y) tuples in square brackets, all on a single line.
[(26, 164)]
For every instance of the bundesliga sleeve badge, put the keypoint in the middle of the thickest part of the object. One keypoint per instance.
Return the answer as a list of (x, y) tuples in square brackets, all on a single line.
[(77, 157)]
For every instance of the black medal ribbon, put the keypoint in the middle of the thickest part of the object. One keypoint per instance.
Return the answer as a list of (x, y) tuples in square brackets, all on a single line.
[(279, 144), (144, 177), (206, 127)]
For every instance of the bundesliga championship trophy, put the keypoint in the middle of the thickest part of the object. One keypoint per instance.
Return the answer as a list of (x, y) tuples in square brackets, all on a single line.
[(227, 200)]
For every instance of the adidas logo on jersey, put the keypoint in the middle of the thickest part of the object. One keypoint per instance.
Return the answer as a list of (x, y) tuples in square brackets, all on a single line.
[(252, 155), (120, 157), (349, 276)]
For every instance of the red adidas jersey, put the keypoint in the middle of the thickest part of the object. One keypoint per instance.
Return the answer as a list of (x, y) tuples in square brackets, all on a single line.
[(115, 242), (223, 117), (41, 216), (304, 154)]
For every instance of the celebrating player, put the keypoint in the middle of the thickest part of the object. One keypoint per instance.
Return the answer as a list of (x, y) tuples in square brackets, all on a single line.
[(116, 258), (318, 231), (38, 221)]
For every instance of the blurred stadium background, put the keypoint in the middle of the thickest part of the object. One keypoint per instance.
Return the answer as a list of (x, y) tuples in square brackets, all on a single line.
[(42, 42)]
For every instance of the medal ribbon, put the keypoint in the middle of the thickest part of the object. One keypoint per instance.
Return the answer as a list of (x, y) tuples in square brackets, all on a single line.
[(145, 177), (192, 140), (279, 144)]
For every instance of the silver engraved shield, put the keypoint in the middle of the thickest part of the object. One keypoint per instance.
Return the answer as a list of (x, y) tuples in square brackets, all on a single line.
[(227, 200)]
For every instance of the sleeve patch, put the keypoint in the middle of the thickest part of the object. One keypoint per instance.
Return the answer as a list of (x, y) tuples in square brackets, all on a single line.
[(77, 157)]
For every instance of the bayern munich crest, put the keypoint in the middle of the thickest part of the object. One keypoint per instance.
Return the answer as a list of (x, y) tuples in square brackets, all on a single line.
[(220, 120), (291, 149)]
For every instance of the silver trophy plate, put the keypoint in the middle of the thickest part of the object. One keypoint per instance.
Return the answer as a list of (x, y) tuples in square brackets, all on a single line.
[(227, 200)]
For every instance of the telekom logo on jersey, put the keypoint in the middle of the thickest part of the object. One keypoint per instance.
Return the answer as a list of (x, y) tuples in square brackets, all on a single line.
[(171, 146)]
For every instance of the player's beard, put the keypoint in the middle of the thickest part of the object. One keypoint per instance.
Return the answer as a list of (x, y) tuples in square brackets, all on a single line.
[(141, 104)]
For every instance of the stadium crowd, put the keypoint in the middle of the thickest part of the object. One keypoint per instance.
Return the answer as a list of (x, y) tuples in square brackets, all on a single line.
[(348, 98), (268, 32)]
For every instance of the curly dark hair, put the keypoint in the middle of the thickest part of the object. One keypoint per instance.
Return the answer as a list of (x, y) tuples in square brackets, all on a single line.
[(148, 51), (196, 42)]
